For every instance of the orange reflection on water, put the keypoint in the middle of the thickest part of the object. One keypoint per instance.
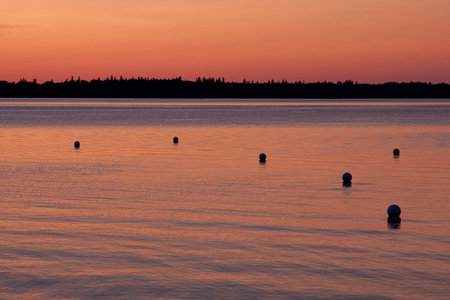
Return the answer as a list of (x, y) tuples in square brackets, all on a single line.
[(132, 214)]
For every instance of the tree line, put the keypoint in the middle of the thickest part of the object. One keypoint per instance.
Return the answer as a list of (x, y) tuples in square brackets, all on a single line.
[(140, 87)]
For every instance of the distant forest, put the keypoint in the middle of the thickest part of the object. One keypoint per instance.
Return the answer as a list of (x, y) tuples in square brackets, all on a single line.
[(216, 88)]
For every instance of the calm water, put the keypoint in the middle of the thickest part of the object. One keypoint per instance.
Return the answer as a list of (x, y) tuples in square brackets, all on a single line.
[(130, 215)]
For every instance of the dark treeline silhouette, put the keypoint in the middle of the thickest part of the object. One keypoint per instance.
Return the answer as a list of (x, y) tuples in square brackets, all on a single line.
[(216, 88)]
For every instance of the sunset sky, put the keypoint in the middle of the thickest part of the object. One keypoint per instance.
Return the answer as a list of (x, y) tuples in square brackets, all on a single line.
[(297, 40)]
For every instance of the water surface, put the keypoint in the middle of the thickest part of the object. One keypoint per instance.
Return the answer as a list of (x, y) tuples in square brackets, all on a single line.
[(130, 215)]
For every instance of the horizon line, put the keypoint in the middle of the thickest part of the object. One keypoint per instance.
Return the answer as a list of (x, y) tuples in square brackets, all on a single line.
[(214, 80)]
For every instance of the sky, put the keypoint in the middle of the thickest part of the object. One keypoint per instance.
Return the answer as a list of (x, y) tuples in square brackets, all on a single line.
[(368, 41)]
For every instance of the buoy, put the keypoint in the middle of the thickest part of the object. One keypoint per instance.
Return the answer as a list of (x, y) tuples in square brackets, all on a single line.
[(175, 140), (347, 178), (77, 144), (396, 152), (394, 211), (262, 157)]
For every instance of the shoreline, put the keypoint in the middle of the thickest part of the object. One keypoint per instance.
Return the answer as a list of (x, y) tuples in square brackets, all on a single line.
[(219, 89)]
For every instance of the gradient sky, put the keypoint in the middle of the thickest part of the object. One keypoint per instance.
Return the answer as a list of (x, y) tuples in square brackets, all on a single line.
[(371, 41)]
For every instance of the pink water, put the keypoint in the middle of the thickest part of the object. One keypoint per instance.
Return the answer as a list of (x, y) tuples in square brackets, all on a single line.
[(130, 215)]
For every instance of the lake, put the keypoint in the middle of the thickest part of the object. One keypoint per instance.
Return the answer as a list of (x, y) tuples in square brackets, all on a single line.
[(131, 215)]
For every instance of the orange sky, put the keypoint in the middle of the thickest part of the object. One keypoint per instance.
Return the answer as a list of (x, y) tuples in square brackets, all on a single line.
[(297, 40)]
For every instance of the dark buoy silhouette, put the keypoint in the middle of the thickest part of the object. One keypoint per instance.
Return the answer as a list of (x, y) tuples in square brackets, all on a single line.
[(394, 219), (347, 178), (175, 140), (396, 152), (262, 157), (394, 211), (76, 144)]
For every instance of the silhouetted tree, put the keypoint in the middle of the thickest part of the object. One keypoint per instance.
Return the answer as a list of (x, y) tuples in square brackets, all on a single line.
[(216, 88)]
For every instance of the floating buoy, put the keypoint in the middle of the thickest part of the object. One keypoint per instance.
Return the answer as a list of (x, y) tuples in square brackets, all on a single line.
[(394, 211), (175, 140), (262, 157), (396, 152), (394, 219), (347, 177), (76, 144)]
